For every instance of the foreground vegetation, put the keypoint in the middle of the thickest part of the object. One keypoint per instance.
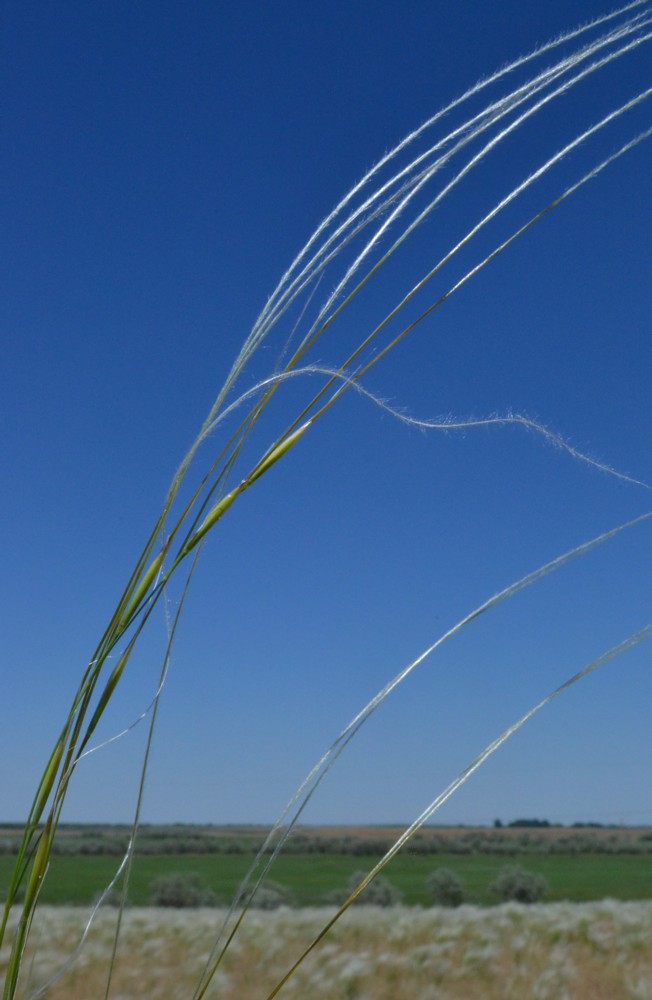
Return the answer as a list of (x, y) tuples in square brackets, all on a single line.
[(594, 951)]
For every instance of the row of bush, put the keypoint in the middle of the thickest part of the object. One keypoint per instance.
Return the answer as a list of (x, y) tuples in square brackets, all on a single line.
[(512, 884), (495, 843), (444, 886)]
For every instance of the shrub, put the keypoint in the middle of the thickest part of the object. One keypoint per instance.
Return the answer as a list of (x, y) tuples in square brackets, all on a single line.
[(517, 884), (445, 887), (270, 896), (181, 890), (380, 892)]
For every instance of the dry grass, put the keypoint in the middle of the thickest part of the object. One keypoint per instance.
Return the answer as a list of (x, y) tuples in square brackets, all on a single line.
[(594, 951)]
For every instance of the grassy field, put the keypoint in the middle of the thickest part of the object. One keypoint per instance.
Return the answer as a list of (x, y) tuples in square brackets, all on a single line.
[(310, 878), (578, 864), (590, 951)]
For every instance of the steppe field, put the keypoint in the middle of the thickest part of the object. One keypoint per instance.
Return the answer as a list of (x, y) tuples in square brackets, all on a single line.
[(554, 951), (589, 939)]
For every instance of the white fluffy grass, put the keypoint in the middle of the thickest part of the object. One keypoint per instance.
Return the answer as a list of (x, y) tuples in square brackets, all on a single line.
[(547, 951)]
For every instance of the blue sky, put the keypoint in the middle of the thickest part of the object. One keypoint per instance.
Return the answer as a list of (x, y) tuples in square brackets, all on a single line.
[(164, 163)]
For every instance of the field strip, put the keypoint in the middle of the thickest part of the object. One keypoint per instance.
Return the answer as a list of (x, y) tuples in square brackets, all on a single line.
[(587, 951)]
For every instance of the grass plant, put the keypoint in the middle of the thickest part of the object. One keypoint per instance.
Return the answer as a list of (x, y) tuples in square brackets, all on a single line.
[(352, 249)]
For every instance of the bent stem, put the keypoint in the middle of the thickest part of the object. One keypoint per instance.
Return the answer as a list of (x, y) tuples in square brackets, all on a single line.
[(386, 207), (629, 643), (264, 860)]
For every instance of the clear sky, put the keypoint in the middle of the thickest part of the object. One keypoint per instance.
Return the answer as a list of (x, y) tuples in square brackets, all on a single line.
[(164, 162)]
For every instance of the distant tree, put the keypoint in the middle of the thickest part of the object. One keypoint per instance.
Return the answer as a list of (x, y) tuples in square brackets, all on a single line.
[(380, 892), (445, 887), (180, 890), (518, 885), (270, 895), (529, 822), (498, 823)]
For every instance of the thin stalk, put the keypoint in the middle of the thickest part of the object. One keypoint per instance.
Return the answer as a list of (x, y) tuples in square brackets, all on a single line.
[(314, 778), (629, 643)]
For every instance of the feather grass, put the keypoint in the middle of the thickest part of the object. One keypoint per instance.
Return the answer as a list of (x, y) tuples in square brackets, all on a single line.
[(362, 234)]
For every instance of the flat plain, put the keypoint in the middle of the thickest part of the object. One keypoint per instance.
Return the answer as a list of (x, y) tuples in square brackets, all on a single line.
[(310, 878), (588, 951), (590, 940), (580, 864)]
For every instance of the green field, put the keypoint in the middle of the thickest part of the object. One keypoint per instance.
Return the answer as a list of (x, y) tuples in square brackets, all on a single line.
[(578, 878)]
